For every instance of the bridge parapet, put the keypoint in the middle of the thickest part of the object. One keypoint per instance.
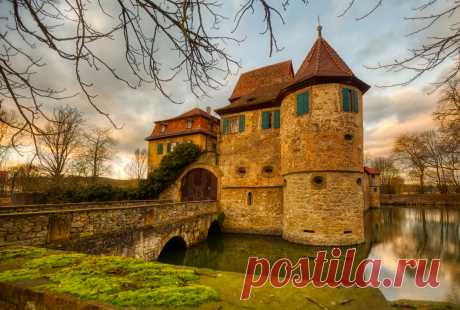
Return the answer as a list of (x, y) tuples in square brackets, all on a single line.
[(78, 205), (46, 226)]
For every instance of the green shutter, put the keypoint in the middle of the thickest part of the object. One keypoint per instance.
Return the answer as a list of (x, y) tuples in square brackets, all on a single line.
[(303, 104), (160, 148), (225, 125), (355, 101), (242, 122), (277, 119), (307, 103), (300, 104), (265, 117), (346, 100)]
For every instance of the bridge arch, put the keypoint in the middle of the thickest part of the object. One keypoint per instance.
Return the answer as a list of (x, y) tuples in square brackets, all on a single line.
[(173, 251)]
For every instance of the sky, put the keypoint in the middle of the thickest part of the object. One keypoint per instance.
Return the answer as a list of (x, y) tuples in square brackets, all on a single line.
[(380, 38)]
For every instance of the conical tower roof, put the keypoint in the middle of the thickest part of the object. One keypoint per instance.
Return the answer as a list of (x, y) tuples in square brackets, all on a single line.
[(322, 60), (324, 65)]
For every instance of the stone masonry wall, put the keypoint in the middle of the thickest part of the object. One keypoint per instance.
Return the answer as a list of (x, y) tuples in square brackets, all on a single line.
[(48, 227), (323, 169), (316, 141), (264, 216), (328, 215), (253, 149)]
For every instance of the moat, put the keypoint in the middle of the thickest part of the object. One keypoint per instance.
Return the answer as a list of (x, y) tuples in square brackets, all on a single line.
[(391, 233)]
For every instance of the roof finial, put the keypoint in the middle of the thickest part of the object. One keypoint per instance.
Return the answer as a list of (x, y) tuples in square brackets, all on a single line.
[(320, 28)]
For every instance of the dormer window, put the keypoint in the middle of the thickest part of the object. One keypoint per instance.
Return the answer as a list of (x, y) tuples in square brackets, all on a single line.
[(163, 128), (189, 123)]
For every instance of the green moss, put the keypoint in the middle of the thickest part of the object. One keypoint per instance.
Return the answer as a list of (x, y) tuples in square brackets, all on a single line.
[(190, 296), (21, 252), (16, 275), (108, 279), (54, 261)]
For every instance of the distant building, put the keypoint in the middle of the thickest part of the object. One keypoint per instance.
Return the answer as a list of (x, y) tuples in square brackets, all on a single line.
[(196, 126)]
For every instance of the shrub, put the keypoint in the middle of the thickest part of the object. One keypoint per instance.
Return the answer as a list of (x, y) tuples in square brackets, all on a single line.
[(169, 170)]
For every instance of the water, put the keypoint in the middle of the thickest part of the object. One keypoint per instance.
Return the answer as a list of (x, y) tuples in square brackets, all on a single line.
[(391, 233)]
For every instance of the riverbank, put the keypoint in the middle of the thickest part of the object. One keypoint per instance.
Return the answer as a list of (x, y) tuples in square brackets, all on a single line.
[(33, 277), (421, 200)]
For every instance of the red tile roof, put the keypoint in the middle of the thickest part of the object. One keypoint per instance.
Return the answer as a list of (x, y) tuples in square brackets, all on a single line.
[(322, 60), (268, 76), (192, 113), (259, 86), (266, 86), (371, 171)]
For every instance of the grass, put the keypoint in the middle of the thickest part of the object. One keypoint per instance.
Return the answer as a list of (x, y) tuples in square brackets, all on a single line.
[(132, 283), (114, 280)]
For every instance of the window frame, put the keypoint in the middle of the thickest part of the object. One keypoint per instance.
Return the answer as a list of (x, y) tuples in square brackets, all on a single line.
[(271, 119), (189, 123)]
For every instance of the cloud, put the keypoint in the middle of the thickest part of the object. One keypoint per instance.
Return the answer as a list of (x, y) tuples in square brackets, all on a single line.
[(380, 37)]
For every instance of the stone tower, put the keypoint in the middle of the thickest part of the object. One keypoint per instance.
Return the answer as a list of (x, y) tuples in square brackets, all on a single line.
[(322, 151)]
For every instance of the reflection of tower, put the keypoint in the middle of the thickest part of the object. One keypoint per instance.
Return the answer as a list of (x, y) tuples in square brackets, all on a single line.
[(322, 151)]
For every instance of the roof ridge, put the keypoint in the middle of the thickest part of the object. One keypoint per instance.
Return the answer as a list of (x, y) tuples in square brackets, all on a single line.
[(267, 66)]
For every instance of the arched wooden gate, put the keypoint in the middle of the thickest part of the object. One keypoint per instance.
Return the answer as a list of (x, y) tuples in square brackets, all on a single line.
[(199, 184)]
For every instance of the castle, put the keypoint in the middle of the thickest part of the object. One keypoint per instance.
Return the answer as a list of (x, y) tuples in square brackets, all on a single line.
[(288, 152)]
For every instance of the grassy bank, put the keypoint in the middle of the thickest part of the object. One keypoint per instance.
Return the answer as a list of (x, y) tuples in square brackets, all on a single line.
[(125, 282)]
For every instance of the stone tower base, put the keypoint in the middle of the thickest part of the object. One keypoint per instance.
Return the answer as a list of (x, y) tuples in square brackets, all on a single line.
[(324, 208)]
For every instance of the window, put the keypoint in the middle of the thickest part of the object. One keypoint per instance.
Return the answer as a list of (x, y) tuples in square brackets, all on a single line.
[(160, 148), (250, 199), (348, 137), (350, 100), (271, 119), (234, 124), (241, 171), (162, 128), (303, 104), (170, 147), (189, 123)]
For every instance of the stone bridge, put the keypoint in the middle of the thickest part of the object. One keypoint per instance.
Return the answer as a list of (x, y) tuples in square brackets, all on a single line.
[(136, 228)]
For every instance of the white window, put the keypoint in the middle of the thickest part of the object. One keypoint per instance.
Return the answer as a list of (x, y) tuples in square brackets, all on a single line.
[(189, 123), (234, 125), (162, 128)]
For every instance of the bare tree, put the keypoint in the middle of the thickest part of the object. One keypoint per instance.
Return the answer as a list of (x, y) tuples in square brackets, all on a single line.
[(410, 150), (148, 29), (449, 103), (435, 49), (137, 168), (96, 152), (59, 141), (389, 174), (5, 133)]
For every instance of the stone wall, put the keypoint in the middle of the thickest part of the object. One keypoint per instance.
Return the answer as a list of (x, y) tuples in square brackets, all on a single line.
[(330, 214), (322, 163), (263, 216), (316, 141), (251, 151), (57, 228)]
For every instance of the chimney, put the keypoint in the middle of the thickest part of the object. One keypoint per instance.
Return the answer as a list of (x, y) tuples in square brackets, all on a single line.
[(208, 109)]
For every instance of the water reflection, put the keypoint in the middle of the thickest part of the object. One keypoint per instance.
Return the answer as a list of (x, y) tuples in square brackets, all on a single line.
[(391, 233)]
